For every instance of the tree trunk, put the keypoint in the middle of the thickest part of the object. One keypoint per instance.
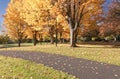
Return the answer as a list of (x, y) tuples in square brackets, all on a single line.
[(73, 28), (115, 39), (19, 42), (35, 38), (51, 39), (115, 42), (76, 36), (56, 38), (40, 39), (51, 32), (72, 39), (19, 39), (61, 38)]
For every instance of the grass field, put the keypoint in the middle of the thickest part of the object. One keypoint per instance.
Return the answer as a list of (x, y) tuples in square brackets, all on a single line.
[(100, 53), (12, 68)]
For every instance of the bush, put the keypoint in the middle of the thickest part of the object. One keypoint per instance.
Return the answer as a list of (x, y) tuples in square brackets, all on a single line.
[(27, 41), (96, 39), (4, 39), (46, 39), (109, 38), (85, 39)]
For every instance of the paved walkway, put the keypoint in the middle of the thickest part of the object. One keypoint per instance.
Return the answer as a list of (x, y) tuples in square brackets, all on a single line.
[(81, 68)]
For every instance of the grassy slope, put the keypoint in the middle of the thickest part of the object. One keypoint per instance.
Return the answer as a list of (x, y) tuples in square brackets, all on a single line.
[(12, 68), (99, 53)]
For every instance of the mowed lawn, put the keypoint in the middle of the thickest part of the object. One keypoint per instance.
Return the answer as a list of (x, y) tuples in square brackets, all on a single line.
[(100, 53), (12, 68)]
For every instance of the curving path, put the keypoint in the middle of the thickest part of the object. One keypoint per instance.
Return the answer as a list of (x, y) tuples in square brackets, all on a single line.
[(81, 68)]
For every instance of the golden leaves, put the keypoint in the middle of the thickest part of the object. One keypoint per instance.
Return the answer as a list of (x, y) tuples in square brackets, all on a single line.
[(42, 14)]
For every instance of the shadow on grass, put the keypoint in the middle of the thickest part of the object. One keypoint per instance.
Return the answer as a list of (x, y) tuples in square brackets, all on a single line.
[(99, 45), (14, 45), (80, 45)]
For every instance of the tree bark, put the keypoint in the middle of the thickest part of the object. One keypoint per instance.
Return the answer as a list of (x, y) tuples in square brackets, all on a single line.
[(51, 32), (61, 38), (35, 38), (51, 39), (19, 39), (73, 28), (115, 39), (40, 39), (72, 39), (56, 38), (76, 35), (19, 43)]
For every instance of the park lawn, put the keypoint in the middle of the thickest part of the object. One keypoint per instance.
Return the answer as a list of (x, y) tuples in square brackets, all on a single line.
[(100, 53), (13, 68)]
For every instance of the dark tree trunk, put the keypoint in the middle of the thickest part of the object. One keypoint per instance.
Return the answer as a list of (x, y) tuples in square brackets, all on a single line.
[(115, 41), (35, 38), (61, 38), (19, 38), (51, 32), (76, 35), (19, 43), (56, 38), (40, 39)]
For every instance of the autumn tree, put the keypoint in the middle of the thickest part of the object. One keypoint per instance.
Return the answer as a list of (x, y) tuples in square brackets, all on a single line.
[(111, 25), (62, 28), (35, 15), (38, 16), (75, 10), (4, 39), (114, 13), (55, 21), (50, 27), (13, 21)]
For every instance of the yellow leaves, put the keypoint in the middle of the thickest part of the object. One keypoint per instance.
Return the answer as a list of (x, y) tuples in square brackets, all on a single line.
[(60, 18), (13, 19), (42, 14)]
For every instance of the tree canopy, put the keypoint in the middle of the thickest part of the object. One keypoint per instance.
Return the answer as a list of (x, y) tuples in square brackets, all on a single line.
[(32, 18)]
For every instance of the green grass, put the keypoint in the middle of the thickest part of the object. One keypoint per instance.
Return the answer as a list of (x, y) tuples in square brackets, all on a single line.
[(12, 68), (98, 53), (15, 45)]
